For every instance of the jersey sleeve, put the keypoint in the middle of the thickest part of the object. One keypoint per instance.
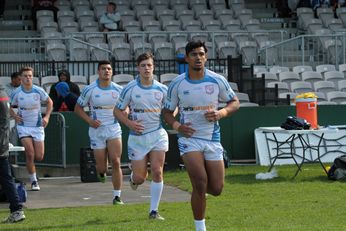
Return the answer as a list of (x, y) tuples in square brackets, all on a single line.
[(226, 93), (125, 98), (84, 98), (171, 100)]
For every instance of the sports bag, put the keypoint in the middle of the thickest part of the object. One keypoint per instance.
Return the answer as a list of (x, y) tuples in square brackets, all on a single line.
[(338, 170)]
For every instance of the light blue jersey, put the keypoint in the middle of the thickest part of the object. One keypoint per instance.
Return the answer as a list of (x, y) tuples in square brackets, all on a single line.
[(101, 101), (29, 105), (195, 97), (145, 103)]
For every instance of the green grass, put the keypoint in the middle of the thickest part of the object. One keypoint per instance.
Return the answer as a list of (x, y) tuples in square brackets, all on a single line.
[(308, 202)]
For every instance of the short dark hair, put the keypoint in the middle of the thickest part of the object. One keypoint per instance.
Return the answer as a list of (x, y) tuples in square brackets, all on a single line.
[(103, 62), (113, 4), (193, 45), (64, 72), (15, 75), (26, 68), (144, 56)]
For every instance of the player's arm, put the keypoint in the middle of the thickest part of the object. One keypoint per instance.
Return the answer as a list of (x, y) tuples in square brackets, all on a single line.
[(78, 109), (185, 129), (231, 107), (49, 108), (122, 116)]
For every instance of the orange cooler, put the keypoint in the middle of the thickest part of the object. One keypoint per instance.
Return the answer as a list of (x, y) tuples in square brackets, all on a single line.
[(306, 108)]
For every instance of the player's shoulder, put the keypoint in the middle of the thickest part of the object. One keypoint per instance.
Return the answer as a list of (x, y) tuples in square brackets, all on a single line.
[(39, 89), (116, 86), (160, 85), (213, 74)]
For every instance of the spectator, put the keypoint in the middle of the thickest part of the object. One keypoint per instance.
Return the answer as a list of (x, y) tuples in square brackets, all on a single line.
[(43, 5), (15, 82), (64, 76), (69, 98), (110, 18), (6, 179)]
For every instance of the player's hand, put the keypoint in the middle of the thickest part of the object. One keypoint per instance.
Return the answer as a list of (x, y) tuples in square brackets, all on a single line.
[(94, 123), (45, 121), (212, 115), (18, 119), (137, 126), (186, 130)]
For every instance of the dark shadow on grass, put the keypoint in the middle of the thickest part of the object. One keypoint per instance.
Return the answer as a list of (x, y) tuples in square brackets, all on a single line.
[(69, 226)]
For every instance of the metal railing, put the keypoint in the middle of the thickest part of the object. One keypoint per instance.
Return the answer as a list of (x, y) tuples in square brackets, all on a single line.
[(310, 50)]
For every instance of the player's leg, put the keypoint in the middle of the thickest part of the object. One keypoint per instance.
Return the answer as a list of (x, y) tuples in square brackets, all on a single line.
[(215, 167), (38, 139), (157, 160), (39, 150), (216, 176), (139, 170), (28, 145), (194, 164), (101, 163), (114, 148)]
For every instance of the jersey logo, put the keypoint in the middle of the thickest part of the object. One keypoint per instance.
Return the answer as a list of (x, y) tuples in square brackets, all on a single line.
[(138, 96), (157, 95), (209, 89), (114, 95), (36, 97), (186, 92)]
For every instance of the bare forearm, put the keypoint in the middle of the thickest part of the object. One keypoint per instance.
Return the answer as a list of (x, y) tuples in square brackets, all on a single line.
[(230, 108)]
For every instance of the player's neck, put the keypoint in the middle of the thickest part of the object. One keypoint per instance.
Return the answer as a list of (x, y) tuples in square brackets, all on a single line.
[(27, 87), (146, 81), (104, 83), (196, 75)]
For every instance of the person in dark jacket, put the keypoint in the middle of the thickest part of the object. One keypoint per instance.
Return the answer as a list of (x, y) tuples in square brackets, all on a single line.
[(6, 179), (69, 98), (64, 76)]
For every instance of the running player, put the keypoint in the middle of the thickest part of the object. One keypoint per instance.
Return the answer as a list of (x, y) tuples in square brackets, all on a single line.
[(197, 93), (30, 123), (104, 131), (148, 141)]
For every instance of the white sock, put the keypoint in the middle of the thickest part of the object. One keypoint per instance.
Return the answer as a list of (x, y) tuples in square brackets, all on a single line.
[(155, 192), (116, 193), (200, 225), (33, 177)]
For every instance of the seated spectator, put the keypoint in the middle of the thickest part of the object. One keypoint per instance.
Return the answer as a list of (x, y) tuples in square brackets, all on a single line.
[(43, 5), (15, 82), (64, 76), (69, 98), (110, 18)]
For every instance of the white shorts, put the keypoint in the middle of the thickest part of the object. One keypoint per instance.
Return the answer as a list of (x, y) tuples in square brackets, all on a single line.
[(211, 150), (99, 136), (140, 146), (37, 133)]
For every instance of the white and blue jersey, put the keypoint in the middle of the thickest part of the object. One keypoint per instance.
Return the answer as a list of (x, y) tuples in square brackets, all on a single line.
[(101, 101), (195, 97), (145, 103), (29, 105)]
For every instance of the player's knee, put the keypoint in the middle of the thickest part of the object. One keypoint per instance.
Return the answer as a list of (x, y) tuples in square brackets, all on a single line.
[(201, 186), (216, 191), (138, 179), (116, 163)]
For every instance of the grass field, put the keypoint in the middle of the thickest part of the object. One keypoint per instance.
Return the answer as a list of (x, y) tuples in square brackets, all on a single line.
[(309, 202)]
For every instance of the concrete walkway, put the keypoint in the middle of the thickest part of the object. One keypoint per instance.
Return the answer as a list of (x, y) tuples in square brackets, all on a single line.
[(71, 192)]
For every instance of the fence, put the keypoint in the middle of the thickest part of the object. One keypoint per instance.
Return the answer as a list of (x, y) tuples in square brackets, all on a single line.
[(55, 143), (310, 50)]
